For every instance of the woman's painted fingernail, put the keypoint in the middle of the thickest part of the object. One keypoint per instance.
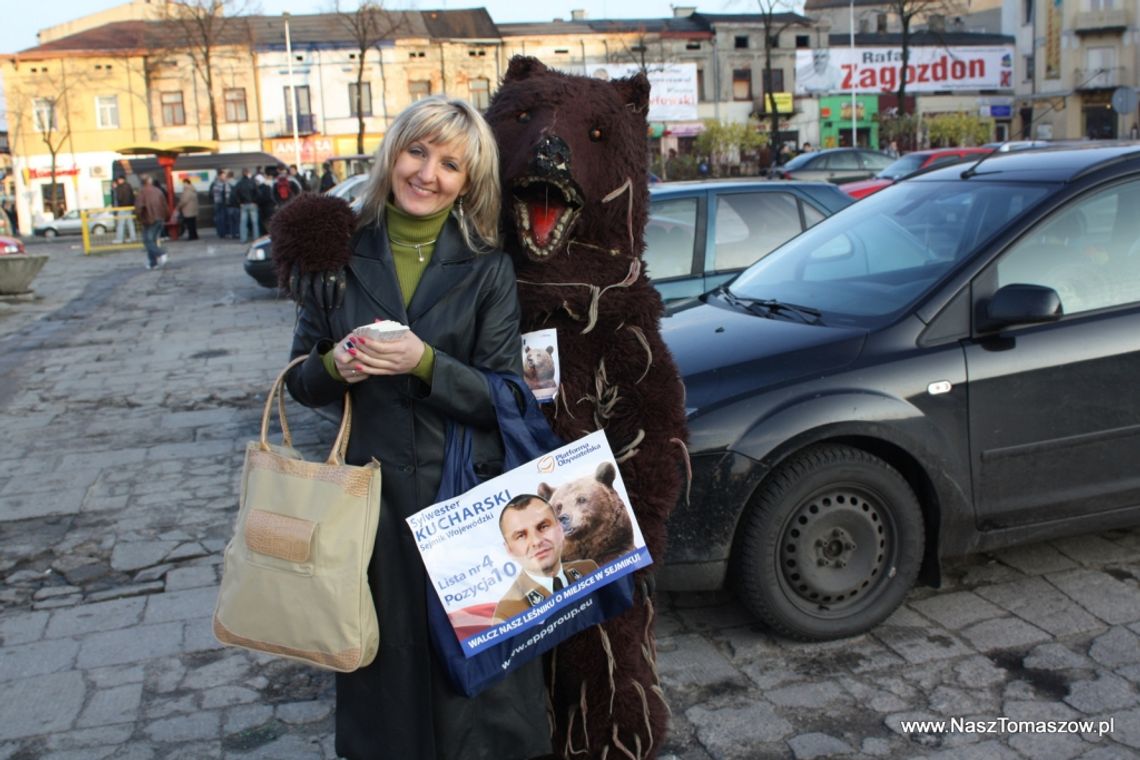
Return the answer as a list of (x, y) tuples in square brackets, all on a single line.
[(352, 351), (358, 367)]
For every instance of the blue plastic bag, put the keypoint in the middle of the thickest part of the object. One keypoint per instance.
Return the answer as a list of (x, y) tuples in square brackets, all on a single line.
[(526, 435)]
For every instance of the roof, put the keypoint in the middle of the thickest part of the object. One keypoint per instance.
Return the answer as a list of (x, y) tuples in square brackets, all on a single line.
[(305, 31), (1041, 165), (816, 5), (755, 18)]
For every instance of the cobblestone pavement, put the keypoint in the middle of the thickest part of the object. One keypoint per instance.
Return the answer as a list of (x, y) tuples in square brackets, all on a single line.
[(126, 398)]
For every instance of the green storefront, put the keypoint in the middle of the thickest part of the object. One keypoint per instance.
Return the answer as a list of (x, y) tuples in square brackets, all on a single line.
[(835, 121)]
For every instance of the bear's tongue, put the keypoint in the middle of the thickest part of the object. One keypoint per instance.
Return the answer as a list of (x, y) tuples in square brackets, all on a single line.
[(543, 216)]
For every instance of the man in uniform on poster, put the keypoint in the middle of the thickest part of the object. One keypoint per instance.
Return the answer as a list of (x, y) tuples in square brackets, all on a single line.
[(533, 537)]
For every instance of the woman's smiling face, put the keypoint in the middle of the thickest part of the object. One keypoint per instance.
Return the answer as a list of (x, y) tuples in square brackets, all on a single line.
[(429, 176)]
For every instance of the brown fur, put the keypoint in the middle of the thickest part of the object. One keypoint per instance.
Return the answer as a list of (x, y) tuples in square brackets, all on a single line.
[(577, 141), (311, 234), (593, 516)]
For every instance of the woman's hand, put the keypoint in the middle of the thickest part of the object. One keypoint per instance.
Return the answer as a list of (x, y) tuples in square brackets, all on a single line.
[(358, 357)]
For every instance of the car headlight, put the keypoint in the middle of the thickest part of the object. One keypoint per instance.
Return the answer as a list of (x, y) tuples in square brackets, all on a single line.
[(12, 248), (257, 253)]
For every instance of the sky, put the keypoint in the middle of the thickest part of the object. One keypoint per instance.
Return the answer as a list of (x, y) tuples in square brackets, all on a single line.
[(18, 31)]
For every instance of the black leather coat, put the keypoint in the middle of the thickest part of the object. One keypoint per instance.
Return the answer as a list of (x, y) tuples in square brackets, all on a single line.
[(467, 309)]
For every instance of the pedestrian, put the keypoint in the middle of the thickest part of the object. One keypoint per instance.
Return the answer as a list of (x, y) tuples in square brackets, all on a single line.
[(124, 196), (188, 210), (427, 230), (892, 149), (298, 179), (285, 188), (150, 207), (328, 181), (218, 195), (806, 148), (265, 204), (233, 208), (246, 193)]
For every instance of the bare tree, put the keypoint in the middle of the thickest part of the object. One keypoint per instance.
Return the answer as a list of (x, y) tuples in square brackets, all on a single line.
[(908, 11), (776, 16), (38, 108), (367, 26), (638, 51), (199, 28)]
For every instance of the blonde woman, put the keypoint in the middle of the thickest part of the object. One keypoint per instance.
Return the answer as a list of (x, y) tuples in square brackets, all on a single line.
[(424, 254)]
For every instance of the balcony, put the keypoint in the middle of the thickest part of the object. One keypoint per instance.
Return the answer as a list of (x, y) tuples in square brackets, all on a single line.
[(1098, 22), (1106, 78), (306, 125)]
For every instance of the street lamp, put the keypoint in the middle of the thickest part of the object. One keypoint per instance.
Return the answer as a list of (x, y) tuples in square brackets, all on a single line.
[(293, 92), (853, 62)]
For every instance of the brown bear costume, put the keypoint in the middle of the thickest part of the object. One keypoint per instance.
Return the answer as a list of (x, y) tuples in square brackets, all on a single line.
[(574, 171)]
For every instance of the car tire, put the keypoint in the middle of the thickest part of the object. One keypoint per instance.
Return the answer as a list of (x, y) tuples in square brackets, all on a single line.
[(830, 545), (98, 229), (50, 233)]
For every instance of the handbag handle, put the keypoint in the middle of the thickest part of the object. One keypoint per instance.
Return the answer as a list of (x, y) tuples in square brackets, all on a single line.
[(340, 445)]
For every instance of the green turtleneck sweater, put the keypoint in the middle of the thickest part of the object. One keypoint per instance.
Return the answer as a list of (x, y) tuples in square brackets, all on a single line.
[(410, 263)]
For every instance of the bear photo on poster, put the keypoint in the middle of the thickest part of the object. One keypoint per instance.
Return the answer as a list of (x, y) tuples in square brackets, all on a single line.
[(493, 555), (540, 364)]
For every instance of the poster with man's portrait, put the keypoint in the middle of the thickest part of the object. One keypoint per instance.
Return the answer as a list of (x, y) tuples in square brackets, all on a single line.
[(531, 545)]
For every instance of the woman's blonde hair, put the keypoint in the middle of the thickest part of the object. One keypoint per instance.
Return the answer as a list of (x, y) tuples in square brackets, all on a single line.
[(441, 120)]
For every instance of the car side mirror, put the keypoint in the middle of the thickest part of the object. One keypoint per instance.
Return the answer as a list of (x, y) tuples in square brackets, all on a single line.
[(1020, 304)]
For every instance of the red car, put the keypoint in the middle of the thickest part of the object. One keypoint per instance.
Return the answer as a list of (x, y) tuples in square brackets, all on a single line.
[(10, 244), (908, 165)]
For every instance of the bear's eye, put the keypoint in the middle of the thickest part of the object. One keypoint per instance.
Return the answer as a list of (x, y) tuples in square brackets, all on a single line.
[(523, 117), (596, 134)]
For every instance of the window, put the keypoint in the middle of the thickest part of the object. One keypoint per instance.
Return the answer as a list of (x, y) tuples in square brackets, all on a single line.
[(107, 111), (802, 41), (234, 98), (881, 23), (365, 99), (1030, 67), (1088, 252), (750, 225), (419, 89), (43, 114), (774, 41), (480, 93), (742, 84), (740, 41), (774, 81), (1027, 11), (173, 114), (700, 83), (670, 235)]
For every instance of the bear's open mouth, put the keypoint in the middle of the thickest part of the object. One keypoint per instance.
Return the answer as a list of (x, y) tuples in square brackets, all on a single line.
[(545, 210)]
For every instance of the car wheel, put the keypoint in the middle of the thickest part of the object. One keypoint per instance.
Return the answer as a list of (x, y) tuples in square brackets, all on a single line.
[(98, 229), (830, 546), (50, 233)]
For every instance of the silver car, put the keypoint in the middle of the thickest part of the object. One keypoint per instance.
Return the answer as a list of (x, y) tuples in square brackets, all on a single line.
[(71, 224), (837, 165)]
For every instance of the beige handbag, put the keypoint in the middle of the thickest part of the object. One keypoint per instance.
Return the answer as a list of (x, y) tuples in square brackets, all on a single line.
[(295, 582)]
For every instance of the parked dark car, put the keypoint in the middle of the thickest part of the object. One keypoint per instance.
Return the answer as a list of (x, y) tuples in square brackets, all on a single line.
[(947, 366), (259, 257), (912, 163), (703, 233), (836, 165)]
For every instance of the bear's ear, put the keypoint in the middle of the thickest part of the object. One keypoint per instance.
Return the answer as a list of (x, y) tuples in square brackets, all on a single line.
[(606, 474), (634, 92), (545, 491), (523, 67), (550, 350)]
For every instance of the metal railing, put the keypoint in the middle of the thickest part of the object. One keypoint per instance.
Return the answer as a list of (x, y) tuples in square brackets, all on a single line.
[(112, 228), (1098, 79)]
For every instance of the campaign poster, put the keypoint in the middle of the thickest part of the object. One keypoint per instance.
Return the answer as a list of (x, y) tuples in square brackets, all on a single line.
[(524, 548)]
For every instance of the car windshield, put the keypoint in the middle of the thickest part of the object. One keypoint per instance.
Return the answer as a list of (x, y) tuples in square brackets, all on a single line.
[(903, 167), (868, 262)]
